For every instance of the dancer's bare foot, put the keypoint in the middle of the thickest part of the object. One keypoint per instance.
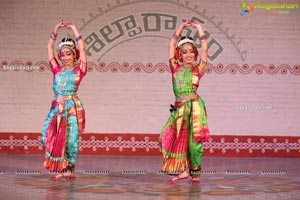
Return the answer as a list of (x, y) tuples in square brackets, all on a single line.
[(56, 177), (66, 175), (181, 176), (195, 180)]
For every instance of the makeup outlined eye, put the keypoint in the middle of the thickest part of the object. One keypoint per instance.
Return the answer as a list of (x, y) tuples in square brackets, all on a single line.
[(184, 52)]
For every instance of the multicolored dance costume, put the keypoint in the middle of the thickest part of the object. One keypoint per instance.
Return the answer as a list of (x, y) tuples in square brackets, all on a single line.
[(65, 120), (182, 136)]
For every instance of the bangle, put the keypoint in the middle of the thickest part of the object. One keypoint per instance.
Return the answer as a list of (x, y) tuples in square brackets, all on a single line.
[(176, 37), (53, 36), (78, 38), (202, 37)]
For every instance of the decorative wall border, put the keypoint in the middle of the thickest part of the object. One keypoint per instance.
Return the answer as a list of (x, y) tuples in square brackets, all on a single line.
[(147, 145), (137, 67)]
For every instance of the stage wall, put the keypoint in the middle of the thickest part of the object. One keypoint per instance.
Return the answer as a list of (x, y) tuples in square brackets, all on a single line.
[(251, 85)]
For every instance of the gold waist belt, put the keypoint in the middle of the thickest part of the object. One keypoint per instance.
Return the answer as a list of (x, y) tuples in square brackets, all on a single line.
[(186, 98), (60, 98)]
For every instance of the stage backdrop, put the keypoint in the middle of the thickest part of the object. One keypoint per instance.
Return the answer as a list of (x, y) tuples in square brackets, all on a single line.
[(251, 85)]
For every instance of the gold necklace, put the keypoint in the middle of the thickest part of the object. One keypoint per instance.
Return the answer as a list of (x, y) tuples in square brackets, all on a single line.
[(180, 82), (61, 85)]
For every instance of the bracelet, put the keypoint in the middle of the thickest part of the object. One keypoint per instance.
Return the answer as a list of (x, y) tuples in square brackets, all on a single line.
[(53, 36), (202, 37), (176, 37), (78, 38)]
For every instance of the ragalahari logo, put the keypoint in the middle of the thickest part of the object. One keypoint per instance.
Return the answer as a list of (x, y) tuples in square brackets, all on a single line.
[(246, 9)]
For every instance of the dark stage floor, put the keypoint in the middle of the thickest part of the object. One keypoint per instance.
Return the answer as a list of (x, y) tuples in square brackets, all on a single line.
[(102, 177)]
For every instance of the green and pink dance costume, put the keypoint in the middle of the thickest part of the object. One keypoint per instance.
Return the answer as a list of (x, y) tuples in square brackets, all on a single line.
[(181, 139)]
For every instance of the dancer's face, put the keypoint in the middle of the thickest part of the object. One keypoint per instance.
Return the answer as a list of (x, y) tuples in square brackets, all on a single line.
[(67, 57), (187, 54)]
